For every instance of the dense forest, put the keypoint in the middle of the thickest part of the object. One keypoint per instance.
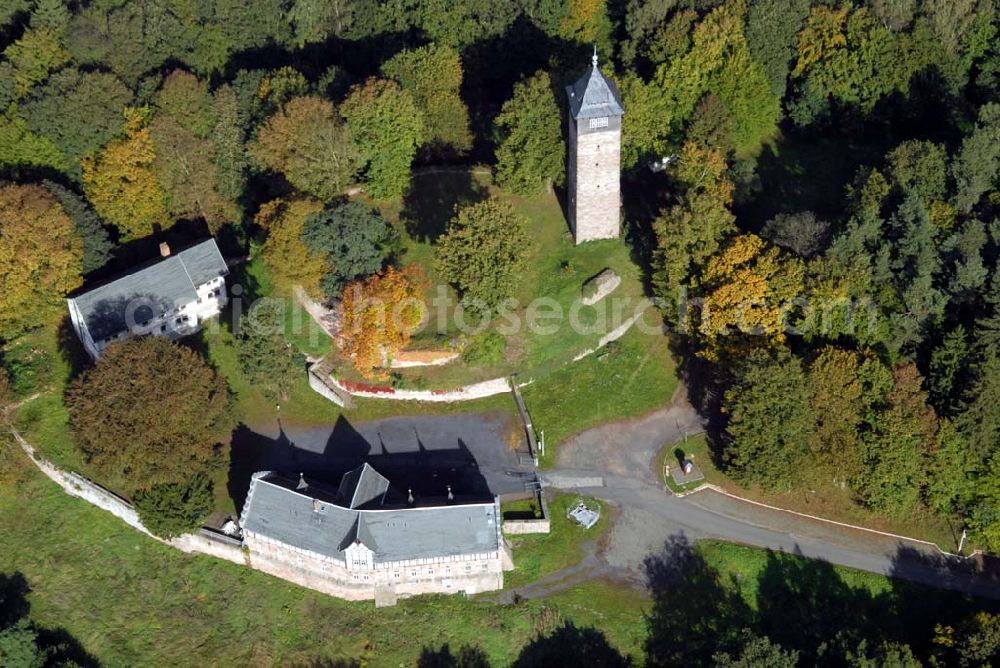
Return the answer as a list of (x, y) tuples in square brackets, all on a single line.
[(823, 241)]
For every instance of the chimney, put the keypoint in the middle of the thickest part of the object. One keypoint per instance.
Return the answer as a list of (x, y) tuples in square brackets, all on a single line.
[(164, 249)]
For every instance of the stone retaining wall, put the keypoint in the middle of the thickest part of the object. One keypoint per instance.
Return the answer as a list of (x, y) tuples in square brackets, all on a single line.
[(487, 388), (76, 485)]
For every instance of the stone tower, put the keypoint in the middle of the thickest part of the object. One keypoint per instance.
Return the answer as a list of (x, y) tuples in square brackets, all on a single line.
[(595, 132)]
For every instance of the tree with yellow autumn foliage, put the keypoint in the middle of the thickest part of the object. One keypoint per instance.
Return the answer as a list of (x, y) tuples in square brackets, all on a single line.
[(747, 290), (41, 257), (287, 258), (378, 315), (121, 184)]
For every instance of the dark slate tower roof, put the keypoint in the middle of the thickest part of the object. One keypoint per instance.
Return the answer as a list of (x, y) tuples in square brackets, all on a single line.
[(362, 486), (594, 95)]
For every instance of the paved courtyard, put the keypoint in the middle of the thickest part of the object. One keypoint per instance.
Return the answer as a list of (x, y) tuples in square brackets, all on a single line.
[(473, 452)]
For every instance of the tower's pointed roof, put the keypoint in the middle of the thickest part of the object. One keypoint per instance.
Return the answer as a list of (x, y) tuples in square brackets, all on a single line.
[(594, 95)]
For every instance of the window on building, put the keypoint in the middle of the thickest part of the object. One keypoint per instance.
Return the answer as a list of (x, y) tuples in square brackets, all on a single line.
[(601, 122)]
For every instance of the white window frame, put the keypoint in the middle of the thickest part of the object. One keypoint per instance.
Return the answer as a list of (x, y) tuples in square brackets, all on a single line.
[(598, 122)]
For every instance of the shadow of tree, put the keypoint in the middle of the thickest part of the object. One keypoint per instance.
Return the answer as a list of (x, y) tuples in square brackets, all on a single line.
[(695, 614), (806, 605), (570, 645), (433, 200), (52, 647), (467, 656)]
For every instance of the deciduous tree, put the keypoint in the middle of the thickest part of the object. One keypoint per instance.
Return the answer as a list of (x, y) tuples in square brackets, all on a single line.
[(531, 151), (388, 126), (483, 252), (267, 359), (433, 76), (689, 231), (284, 253), (306, 141), (770, 420), (40, 258), (897, 453), (150, 412), (121, 184), (378, 315), (175, 508), (748, 290)]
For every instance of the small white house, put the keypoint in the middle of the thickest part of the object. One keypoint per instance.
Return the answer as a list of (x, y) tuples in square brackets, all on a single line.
[(170, 297)]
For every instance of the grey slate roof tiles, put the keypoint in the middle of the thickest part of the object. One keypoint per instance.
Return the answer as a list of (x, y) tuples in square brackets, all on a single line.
[(152, 291), (274, 509), (594, 96)]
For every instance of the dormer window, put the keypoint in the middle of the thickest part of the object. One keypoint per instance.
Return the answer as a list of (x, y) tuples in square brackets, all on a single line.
[(601, 122)]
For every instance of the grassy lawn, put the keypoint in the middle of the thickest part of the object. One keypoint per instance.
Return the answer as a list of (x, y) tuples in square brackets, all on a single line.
[(695, 447), (556, 271), (630, 377), (538, 555), (133, 601)]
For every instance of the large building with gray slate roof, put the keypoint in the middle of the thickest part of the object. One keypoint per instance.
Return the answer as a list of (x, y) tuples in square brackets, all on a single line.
[(353, 544), (170, 297)]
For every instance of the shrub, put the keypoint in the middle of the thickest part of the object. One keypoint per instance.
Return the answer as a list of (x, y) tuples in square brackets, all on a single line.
[(172, 509), (485, 349)]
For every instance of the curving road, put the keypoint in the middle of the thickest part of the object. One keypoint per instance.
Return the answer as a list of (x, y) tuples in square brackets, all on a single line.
[(622, 456)]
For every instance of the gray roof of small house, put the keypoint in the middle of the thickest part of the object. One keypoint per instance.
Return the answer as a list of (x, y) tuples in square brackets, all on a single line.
[(594, 96), (164, 285), (362, 486), (276, 510)]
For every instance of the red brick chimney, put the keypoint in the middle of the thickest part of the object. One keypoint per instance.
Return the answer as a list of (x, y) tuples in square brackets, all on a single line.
[(164, 249)]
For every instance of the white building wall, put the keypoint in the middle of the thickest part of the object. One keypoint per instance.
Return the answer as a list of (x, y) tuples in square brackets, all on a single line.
[(470, 573)]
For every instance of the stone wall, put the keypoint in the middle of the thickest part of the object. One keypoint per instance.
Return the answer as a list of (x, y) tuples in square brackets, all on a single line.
[(318, 384), (596, 197), (76, 485), (519, 527)]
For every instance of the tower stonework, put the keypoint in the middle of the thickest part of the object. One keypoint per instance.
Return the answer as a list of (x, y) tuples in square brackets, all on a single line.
[(594, 182)]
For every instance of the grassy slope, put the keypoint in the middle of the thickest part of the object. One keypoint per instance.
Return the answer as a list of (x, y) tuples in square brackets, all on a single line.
[(131, 601), (538, 555), (556, 271), (631, 377)]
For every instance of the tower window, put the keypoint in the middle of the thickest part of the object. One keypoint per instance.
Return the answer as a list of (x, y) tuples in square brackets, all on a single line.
[(601, 122)]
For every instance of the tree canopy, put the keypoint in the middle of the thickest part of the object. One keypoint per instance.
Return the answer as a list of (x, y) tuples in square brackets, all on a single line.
[(41, 258), (150, 412), (483, 253), (354, 239)]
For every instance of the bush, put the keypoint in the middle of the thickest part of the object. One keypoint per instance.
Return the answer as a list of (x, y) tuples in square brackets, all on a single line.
[(485, 349), (172, 509)]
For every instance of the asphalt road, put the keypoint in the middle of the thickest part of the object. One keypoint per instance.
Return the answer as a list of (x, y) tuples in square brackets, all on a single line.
[(624, 454)]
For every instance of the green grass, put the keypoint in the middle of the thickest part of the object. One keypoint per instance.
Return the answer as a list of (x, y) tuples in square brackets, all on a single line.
[(556, 271), (630, 377), (132, 601), (696, 447), (538, 555)]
